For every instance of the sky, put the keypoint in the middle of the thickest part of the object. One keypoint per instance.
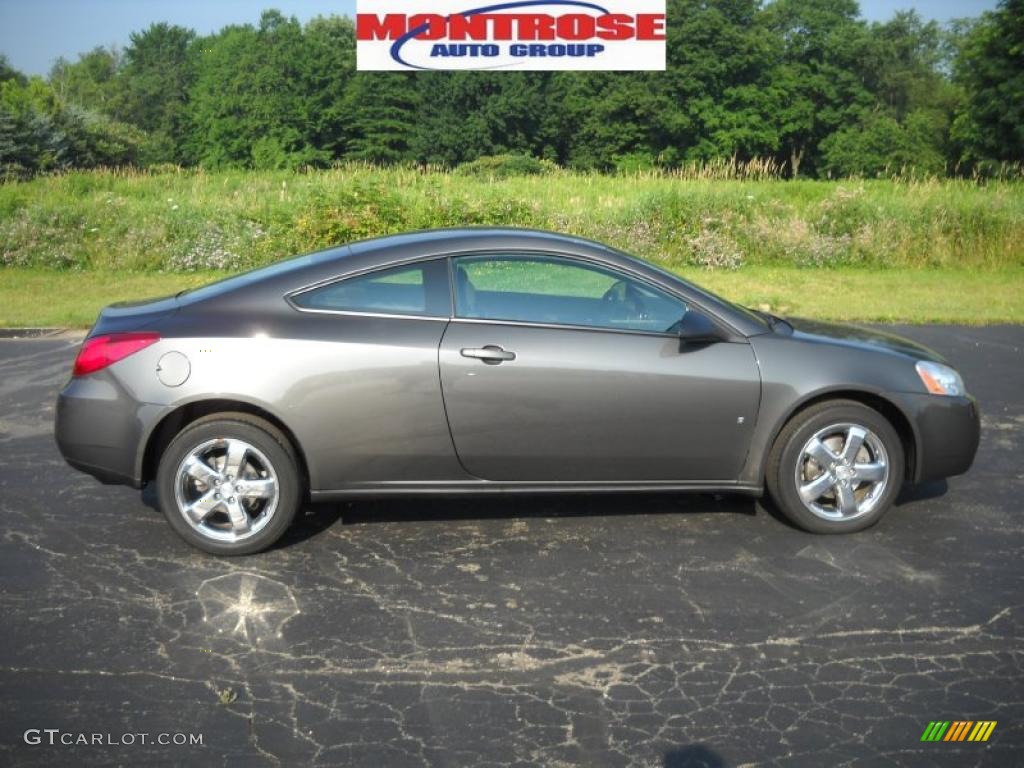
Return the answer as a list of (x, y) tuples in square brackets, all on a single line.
[(33, 33)]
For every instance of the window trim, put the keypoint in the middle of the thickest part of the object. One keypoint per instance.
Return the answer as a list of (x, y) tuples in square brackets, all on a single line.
[(361, 313), (528, 254), (290, 297), (734, 335)]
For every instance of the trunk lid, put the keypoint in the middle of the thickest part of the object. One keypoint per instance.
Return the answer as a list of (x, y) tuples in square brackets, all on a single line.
[(141, 315)]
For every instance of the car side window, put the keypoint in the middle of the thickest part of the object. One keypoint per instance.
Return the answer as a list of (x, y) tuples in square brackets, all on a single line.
[(416, 289), (559, 291)]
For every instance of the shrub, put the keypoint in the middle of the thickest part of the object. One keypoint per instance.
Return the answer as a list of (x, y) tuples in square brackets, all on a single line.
[(634, 162), (714, 250), (504, 166)]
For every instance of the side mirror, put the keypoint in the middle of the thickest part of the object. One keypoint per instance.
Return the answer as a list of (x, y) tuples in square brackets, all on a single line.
[(698, 328)]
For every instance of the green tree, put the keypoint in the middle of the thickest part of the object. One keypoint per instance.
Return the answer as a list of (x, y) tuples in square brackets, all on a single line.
[(10, 130), (806, 82), (40, 132), (714, 102), (383, 109), (467, 115), (156, 77), (30, 109), (330, 55), (11, 165), (989, 127), (879, 145), (91, 82), (906, 130), (905, 65), (249, 105), (7, 72), (608, 118), (710, 102), (94, 140), (815, 84)]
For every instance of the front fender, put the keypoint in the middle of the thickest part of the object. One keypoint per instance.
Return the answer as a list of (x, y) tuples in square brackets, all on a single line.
[(797, 372)]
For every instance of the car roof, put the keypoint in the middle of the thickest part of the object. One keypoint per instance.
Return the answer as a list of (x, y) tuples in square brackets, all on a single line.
[(489, 237)]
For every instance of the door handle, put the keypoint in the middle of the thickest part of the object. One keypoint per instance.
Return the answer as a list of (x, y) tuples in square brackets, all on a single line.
[(491, 354)]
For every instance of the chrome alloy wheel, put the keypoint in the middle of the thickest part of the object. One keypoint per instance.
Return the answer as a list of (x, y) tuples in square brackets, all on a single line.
[(842, 472), (226, 489)]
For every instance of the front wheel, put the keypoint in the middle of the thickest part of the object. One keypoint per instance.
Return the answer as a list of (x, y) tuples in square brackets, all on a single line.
[(836, 467), (229, 484)]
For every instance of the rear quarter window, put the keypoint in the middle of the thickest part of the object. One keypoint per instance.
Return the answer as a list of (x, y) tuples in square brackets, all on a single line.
[(416, 289)]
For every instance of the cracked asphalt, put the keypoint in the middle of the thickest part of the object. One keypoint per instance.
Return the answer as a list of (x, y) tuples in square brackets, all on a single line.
[(636, 630)]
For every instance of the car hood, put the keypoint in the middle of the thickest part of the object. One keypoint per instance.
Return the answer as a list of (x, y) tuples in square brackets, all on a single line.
[(861, 338)]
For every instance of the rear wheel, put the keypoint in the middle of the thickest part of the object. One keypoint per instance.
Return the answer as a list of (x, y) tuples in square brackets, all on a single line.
[(836, 467), (229, 484)]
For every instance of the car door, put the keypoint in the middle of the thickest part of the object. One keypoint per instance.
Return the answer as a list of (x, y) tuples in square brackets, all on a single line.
[(557, 369), (361, 388)]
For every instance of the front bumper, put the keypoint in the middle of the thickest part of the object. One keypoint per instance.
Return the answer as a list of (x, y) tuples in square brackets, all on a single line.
[(100, 430), (947, 431)]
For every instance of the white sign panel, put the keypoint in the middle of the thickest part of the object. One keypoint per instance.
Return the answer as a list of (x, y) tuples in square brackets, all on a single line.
[(514, 36)]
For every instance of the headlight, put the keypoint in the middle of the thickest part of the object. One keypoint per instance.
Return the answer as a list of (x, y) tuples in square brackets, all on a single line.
[(940, 379)]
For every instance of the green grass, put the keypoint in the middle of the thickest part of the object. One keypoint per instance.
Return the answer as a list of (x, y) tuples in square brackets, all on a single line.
[(234, 219), (891, 296), (43, 298), (861, 250), (34, 298)]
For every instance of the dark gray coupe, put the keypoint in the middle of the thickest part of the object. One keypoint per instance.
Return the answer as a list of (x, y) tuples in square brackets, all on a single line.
[(495, 361)]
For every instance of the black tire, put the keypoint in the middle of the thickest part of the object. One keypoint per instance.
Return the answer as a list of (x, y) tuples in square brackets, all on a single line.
[(787, 454), (268, 440)]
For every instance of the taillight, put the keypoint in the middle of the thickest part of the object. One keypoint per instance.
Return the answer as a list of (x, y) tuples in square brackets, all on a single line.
[(100, 351)]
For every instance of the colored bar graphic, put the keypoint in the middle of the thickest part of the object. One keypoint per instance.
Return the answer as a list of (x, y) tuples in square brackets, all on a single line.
[(983, 730), (935, 730), (958, 730)]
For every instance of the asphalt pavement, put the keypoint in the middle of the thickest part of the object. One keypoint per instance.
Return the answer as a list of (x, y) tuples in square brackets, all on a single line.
[(624, 630)]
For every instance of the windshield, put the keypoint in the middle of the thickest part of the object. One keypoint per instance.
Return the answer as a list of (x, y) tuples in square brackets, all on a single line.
[(757, 317)]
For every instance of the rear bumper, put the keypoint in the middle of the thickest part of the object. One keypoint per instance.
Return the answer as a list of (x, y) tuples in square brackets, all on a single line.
[(99, 430), (947, 431)]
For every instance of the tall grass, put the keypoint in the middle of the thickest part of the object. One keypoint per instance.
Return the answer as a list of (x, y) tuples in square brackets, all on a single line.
[(716, 217)]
